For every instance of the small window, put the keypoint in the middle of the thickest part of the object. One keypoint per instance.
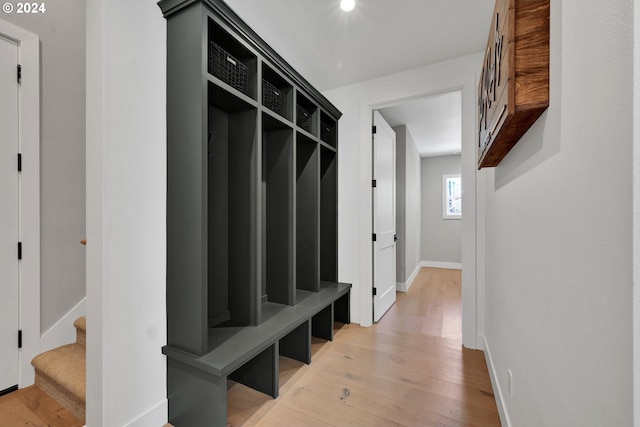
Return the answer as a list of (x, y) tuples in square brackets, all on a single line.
[(451, 196)]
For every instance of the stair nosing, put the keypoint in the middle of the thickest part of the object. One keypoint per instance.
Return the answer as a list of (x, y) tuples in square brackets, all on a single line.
[(54, 370)]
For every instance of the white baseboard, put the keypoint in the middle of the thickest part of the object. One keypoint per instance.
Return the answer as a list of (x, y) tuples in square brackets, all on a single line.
[(154, 417), (497, 391), (63, 332), (404, 287), (438, 264)]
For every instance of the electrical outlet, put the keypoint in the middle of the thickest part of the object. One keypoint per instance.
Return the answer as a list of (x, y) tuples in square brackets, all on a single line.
[(510, 383)]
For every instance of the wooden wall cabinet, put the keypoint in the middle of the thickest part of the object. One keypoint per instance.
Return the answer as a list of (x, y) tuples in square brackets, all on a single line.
[(514, 84), (251, 212)]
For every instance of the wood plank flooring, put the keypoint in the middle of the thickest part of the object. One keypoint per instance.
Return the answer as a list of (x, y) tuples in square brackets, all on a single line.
[(32, 407), (410, 369)]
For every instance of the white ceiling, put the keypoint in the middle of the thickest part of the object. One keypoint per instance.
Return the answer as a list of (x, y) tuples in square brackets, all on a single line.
[(332, 48), (434, 122)]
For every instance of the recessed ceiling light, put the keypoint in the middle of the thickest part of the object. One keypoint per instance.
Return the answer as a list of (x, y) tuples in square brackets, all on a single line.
[(347, 5)]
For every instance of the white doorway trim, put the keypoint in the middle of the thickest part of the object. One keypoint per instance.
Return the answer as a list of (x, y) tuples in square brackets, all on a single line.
[(472, 289), (29, 146)]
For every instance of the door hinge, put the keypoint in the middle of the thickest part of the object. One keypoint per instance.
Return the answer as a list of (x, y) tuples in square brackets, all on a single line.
[(19, 162), (20, 339), (19, 250), (375, 292), (374, 237), (374, 129), (374, 183), (19, 73)]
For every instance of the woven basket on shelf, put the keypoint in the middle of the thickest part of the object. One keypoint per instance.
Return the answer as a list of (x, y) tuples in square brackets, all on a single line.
[(327, 133), (273, 98), (227, 68), (303, 118)]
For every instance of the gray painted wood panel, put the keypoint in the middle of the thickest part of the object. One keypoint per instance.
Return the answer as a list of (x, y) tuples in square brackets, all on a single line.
[(186, 186), (307, 215), (329, 216), (277, 174)]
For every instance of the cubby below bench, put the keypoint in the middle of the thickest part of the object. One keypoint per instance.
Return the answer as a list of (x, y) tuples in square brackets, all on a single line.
[(249, 354)]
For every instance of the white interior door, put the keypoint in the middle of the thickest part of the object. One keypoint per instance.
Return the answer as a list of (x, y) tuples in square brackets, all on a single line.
[(384, 216), (9, 274)]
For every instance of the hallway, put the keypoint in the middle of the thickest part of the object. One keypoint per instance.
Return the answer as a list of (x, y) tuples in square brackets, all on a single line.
[(408, 370)]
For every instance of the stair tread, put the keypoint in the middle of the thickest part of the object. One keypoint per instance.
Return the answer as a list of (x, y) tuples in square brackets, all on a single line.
[(81, 323), (66, 366)]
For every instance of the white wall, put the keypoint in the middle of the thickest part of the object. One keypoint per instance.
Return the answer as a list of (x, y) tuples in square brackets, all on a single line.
[(126, 205), (408, 206), (636, 216), (401, 213), (441, 239), (354, 194), (559, 234), (61, 30), (413, 206)]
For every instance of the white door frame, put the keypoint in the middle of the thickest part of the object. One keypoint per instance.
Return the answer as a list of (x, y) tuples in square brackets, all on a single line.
[(472, 285), (29, 179)]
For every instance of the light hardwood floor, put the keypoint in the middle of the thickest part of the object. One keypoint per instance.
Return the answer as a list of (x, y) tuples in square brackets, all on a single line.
[(410, 369), (31, 407)]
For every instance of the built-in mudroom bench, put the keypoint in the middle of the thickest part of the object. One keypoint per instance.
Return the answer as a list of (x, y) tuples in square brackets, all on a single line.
[(249, 355), (252, 218)]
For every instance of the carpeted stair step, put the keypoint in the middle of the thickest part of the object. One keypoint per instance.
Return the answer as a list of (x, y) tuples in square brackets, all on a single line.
[(81, 331), (61, 373)]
